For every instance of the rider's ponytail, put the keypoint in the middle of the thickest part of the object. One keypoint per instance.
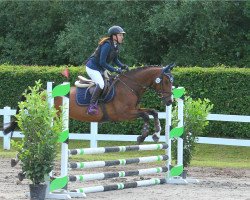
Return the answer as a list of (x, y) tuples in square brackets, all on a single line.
[(102, 40)]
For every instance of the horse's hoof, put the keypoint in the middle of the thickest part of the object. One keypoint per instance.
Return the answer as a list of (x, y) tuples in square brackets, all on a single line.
[(140, 139), (13, 162), (21, 176), (155, 138)]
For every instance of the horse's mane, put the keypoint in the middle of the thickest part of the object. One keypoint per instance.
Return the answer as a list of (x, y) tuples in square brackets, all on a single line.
[(138, 69)]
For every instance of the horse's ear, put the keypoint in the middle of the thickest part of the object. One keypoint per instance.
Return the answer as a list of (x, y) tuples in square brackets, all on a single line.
[(168, 68), (171, 66)]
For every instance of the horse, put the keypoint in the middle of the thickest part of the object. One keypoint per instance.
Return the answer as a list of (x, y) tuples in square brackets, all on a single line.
[(129, 88)]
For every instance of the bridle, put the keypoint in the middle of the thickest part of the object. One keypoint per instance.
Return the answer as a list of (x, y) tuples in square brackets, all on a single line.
[(158, 80)]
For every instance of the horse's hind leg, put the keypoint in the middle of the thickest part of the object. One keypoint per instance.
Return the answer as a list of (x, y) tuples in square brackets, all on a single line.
[(21, 175), (145, 129), (14, 161)]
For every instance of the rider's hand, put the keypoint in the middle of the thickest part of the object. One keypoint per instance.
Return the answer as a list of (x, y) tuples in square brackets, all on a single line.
[(118, 71)]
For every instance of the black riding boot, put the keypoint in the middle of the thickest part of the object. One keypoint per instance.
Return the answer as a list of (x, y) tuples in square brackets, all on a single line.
[(93, 108)]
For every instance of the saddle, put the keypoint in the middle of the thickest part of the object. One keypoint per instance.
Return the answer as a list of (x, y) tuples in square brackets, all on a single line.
[(85, 88)]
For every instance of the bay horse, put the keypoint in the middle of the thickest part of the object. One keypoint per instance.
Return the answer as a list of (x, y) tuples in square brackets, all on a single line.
[(129, 88)]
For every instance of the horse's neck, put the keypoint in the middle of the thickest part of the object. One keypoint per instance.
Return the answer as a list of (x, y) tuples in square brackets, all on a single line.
[(147, 76), (141, 80)]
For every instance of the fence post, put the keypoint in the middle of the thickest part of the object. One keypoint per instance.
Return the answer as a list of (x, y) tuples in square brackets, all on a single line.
[(167, 137), (6, 121), (180, 124), (93, 134)]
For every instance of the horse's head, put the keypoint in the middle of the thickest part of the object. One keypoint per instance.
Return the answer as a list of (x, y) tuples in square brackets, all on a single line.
[(158, 78), (163, 84)]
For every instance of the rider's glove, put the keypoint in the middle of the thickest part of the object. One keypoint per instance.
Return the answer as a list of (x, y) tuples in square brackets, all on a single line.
[(118, 71)]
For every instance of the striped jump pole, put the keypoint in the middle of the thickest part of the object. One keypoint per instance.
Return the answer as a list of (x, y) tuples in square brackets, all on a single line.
[(96, 164), (107, 175), (102, 150), (118, 186)]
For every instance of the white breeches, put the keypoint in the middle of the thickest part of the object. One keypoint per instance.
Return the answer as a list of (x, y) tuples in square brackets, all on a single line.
[(95, 76)]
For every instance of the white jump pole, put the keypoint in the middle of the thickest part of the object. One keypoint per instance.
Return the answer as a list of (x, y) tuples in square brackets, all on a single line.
[(65, 146), (174, 179), (167, 135), (6, 138), (180, 124)]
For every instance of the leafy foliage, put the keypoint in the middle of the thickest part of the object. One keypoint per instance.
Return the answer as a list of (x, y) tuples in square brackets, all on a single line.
[(195, 121), (204, 33), (226, 88), (37, 150)]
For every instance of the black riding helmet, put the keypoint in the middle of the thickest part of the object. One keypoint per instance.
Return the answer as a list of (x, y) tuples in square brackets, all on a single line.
[(114, 30)]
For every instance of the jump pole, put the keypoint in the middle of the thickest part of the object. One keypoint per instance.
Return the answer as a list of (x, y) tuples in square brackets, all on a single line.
[(172, 176), (62, 90)]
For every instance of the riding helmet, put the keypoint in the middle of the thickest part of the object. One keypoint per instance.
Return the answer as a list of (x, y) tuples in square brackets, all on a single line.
[(115, 30)]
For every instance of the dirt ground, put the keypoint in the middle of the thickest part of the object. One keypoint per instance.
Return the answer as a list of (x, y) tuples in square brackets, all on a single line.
[(214, 183)]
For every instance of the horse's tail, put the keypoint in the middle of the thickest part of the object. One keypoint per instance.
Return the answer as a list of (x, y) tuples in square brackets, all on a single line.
[(13, 124)]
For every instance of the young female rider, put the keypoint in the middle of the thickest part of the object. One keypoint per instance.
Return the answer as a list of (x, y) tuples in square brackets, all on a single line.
[(106, 53)]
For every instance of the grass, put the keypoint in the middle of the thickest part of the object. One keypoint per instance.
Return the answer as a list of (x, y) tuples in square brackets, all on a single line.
[(205, 155), (221, 156)]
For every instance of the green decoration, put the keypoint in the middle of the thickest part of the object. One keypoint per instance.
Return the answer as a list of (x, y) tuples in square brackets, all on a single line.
[(58, 183), (176, 171), (176, 132), (61, 90), (63, 136), (178, 92)]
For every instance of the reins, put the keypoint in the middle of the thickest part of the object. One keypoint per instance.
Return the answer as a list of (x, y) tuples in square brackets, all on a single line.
[(135, 83), (160, 93)]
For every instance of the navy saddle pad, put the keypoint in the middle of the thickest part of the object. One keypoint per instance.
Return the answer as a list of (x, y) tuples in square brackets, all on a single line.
[(83, 96)]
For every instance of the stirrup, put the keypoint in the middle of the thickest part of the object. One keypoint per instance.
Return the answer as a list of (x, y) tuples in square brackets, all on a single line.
[(93, 109)]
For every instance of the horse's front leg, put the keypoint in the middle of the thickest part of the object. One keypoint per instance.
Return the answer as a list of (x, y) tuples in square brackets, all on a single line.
[(145, 129), (157, 124), (156, 135)]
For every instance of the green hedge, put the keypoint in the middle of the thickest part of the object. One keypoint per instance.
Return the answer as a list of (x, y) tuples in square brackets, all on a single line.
[(227, 89)]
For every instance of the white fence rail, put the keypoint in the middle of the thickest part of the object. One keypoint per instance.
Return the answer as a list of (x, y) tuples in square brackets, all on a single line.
[(228, 118), (94, 137)]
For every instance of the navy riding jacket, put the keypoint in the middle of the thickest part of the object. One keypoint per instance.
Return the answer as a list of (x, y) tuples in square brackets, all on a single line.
[(104, 55)]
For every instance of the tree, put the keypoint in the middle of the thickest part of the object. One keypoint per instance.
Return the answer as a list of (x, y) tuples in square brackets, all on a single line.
[(202, 33)]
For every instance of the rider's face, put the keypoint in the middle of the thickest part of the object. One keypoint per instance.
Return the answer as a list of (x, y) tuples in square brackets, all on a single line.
[(118, 38)]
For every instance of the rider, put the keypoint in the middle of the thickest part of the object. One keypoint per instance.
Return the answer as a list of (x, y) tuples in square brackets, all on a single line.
[(106, 53)]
